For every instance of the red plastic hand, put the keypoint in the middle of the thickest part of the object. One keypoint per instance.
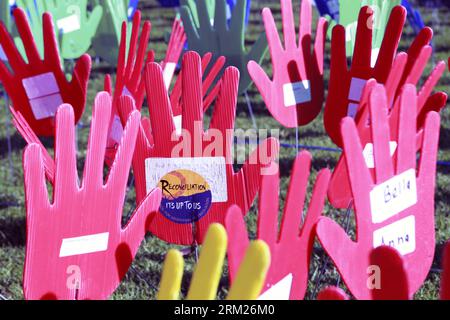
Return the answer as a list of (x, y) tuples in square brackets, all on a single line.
[(332, 293), (393, 208), (129, 79), (211, 75), (61, 262), (291, 249), (241, 187), (39, 87), (345, 86), (295, 96), (339, 192), (386, 275)]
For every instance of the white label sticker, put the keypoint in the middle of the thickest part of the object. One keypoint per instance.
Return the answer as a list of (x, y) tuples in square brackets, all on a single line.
[(212, 169), (374, 56), (352, 110), (116, 129), (169, 70), (69, 24), (2, 54), (41, 85), (279, 291), (356, 89), (46, 107), (368, 153), (393, 196), (43, 93), (296, 93), (83, 245), (400, 235), (177, 121)]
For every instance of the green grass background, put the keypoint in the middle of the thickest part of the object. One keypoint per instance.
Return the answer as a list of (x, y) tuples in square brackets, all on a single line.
[(141, 282)]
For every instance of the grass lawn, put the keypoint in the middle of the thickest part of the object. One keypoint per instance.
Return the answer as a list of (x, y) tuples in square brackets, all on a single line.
[(142, 280)]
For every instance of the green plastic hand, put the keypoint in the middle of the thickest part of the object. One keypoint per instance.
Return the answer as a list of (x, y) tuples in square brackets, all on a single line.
[(107, 40), (221, 39), (75, 24), (210, 5), (348, 17), (5, 16)]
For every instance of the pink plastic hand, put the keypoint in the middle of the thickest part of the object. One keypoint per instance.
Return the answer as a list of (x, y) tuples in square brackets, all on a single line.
[(396, 207), (38, 87), (76, 246), (295, 96), (196, 143), (291, 248)]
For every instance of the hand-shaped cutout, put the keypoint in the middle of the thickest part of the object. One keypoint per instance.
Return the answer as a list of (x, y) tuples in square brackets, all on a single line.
[(76, 25), (394, 208), (39, 87), (295, 96), (76, 246), (346, 85), (290, 249), (221, 39), (208, 271), (107, 39), (129, 79), (339, 192), (195, 149)]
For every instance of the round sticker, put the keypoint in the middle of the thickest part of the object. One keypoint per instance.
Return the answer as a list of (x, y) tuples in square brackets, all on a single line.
[(186, 196)]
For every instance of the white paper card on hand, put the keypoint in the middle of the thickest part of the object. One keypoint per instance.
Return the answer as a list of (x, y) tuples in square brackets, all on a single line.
[(169, 70), (116, 129), (212, 169), (69, 24), (393, 196), (352, 110), (46, 107), (296, 93), (177, 121), (83, 245), (400, 235), (368, 153), (356, 89), (279, 291), (41, 85), (2, 54)]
